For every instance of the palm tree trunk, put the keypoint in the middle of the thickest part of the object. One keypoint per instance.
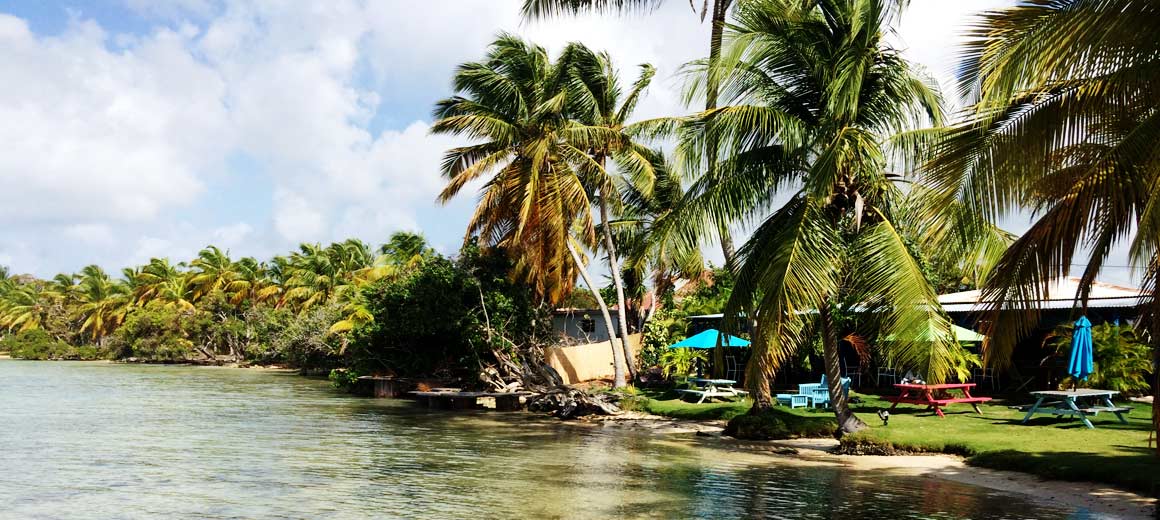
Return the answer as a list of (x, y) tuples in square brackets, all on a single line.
[(617, 363), (614, 266), (847, 421), (758, 375), (1156, 391), (720, 8)]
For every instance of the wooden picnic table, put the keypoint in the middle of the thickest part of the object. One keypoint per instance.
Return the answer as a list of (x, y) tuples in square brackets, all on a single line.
[(936, 396), (1068, 402), (709, 388)]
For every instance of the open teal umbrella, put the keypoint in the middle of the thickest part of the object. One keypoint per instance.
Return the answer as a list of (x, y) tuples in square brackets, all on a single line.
[(1080, 364), (708, 339)]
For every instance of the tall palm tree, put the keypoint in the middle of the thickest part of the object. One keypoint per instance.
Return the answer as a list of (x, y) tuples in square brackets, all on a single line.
[(717, 15), (1065, 121), (597, 100), (818, 105), (533, 204)]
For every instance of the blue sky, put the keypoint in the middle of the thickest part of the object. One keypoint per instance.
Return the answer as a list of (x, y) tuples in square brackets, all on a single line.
[(142, 128)]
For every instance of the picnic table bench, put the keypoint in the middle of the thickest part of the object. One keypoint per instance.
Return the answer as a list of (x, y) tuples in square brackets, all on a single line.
[(1071, 403), (710, 388), (936, 396)]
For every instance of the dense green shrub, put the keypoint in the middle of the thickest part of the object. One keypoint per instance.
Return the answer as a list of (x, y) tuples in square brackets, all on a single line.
[(343, 379), (39, 344), (155, 334), (303, 340), (445, 318), (774, 424)]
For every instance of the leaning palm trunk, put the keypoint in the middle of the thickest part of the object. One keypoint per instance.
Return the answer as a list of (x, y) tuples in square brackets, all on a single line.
[(720, 7), (617, 281), (847, 421), (617, 362)]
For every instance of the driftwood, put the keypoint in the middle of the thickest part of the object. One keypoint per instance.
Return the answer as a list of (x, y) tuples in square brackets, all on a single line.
[(525, 368), (569, 403)]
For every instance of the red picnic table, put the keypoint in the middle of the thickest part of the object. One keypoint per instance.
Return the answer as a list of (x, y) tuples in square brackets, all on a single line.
[(936, 396)]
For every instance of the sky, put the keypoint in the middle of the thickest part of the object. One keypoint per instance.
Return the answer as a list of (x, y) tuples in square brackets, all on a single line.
[(151, 128)]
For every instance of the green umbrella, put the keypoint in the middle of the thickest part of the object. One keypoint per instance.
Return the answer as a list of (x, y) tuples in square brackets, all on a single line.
[(961, 335)]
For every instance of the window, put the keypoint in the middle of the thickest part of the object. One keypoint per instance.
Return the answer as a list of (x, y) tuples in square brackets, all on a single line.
[(587, 325)]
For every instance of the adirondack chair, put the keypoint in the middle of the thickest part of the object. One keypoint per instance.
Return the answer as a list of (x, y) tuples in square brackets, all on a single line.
[(794, 400), (820, 393)]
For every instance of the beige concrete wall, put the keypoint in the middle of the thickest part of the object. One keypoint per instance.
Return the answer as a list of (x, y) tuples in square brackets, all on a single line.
[(587, 362)]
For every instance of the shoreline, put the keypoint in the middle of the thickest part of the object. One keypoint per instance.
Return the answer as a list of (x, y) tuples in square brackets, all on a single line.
[(1091, 496)]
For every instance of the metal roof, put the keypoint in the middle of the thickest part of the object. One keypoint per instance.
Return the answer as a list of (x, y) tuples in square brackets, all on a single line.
[(1061, 294)]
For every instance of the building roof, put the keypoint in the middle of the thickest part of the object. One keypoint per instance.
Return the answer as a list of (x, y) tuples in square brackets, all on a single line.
[(564, 311), (1061, 294)]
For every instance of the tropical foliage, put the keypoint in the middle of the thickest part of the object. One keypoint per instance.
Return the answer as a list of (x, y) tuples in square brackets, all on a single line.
[(816, 107), (681, 362), (1121, 360), (1065, 122), (545, 132), (295, 309)]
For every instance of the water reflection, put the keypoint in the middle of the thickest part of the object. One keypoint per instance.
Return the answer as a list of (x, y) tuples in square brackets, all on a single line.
[(88, 440)]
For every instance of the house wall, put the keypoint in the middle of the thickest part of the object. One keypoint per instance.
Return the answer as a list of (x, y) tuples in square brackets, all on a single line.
[(570, 325), (587, 362)]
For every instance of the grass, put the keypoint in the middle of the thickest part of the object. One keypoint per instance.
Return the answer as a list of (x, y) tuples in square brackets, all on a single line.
[(669, 404), (1052, 448)]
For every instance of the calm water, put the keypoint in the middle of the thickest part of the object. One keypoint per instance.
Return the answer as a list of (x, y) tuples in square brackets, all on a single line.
[(102, 441)]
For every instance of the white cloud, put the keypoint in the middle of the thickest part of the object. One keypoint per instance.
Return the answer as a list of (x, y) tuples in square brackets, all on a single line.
[(91, 133), (90, 234)]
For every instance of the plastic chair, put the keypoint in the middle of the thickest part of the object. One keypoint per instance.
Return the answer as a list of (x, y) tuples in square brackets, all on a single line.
[(979, 375), (886, 373), (732, 368), (853, 372)]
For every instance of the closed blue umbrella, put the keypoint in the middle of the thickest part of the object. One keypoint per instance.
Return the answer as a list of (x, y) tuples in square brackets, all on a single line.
[(1080, 364)]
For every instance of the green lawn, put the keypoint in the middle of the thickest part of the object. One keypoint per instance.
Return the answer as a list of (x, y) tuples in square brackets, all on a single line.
[(1053, 448)]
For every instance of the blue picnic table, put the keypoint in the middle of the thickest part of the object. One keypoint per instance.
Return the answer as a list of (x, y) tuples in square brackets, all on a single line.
[(1076, 403)]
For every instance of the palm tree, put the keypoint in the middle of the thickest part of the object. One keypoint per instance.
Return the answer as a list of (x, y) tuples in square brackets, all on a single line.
[(251, 283), (534, 204), (597, 100), (664, 261), (213, 271), (102, 303), (149, 281), (546, 8), (23, 306), (818, 105), (1066, 121), (313, 276), (406, 249)]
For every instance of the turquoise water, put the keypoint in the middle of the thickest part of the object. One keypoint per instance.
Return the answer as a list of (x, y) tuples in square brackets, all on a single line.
[(105, 441)]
